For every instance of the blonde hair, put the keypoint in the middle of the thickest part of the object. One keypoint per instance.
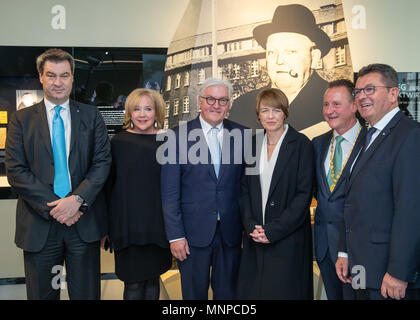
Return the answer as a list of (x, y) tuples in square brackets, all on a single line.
[(134, 98), (274, 98)]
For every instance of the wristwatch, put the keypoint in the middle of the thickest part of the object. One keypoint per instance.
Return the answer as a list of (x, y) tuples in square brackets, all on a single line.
[(79, 199), (84, 207)]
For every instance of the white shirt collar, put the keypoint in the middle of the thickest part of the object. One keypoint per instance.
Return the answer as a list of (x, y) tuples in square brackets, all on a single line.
[(381, 124), (49, 105), (207, 127), (351, 134)]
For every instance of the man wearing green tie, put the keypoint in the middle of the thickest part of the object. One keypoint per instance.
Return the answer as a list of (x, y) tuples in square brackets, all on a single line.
[(334, 154), (57, 160)]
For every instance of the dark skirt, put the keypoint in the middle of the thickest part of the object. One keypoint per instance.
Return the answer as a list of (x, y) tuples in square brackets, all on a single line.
[(137, 263)]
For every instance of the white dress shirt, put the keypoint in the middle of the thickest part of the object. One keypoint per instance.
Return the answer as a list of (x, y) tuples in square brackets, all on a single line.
[(65, 115), (207, 128), (350, 137), (381, 124), (267, 168)]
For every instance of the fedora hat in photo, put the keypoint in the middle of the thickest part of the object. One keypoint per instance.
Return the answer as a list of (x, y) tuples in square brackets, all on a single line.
[(294, 18)]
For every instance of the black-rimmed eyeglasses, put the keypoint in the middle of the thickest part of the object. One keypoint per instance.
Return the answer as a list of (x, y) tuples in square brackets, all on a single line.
[(212, 100), (369, 90)]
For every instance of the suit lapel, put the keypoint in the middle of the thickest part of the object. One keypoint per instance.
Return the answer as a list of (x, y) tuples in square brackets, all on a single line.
[(375, 145), (358, 144), (286, 149), (195, 124), (325, 144), (75, 124), (226, 153), (45, 131)]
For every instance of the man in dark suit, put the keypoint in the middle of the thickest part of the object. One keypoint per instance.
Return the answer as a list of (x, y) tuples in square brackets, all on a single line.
[(57, 159), (200, 199), (337, 147), (381, 212), (294, 46)]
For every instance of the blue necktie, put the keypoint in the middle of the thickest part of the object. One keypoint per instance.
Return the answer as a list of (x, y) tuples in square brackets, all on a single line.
[(214, 146), (369, 135), (61, 177)]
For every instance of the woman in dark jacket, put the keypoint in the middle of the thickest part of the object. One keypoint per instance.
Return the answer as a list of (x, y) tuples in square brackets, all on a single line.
[(276, 260)]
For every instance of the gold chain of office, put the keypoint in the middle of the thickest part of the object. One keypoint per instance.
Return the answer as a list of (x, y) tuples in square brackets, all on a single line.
[(335, 178)]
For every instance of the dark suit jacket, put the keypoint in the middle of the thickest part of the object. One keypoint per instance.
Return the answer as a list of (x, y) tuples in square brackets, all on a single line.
[(30, 171), (281, 269), (330, 205), (382, 207), (305, 109), (192, 196)]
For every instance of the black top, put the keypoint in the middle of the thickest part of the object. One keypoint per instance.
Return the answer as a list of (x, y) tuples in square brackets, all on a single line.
[(133, 192)]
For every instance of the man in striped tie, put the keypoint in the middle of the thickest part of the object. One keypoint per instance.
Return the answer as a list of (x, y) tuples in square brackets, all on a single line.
[(57, 160)]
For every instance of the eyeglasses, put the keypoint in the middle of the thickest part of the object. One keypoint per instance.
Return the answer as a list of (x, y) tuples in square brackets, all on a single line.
[(367, 90), (211, 101)]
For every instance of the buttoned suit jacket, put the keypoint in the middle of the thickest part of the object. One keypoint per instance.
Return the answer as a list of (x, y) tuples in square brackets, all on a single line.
[(330, 205), (382, 206), (192, 195), (30, 171)]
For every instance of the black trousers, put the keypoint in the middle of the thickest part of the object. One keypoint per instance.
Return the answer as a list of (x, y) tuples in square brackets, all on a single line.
[(375, 294), (334, 288), (44, 272)]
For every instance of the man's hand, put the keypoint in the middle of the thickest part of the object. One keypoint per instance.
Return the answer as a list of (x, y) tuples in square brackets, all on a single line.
[(103, 242), (66, 210), (180, 249), (342, 270), (70, 221), (258, 235), (393, 287)]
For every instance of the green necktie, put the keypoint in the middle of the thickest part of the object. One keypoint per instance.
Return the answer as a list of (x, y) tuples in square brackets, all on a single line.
[(337, 161)]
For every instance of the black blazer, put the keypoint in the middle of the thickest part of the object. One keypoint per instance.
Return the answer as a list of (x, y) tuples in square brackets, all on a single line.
[(281, 269), (30, 171), (382, 207), (330, 205)]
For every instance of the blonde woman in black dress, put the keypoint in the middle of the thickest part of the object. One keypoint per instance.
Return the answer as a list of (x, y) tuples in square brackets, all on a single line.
[(136, 229)]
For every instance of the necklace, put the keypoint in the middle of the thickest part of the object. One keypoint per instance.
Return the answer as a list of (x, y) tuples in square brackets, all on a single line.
[(336, 177)]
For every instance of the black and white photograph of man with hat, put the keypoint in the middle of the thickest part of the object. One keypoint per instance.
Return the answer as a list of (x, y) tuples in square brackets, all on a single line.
[(294, 46)]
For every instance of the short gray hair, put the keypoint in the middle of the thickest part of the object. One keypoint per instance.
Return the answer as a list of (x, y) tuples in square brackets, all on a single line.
[(215, 82)]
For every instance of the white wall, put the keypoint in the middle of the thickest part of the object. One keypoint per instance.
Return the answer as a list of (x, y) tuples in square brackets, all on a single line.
[(384, 31), (122, 23)]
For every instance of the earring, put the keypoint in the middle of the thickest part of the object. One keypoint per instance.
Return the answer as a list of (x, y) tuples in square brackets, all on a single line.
[(156, 124), (131, 124)]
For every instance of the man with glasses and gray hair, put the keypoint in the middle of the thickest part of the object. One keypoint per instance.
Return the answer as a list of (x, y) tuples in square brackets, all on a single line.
[(379, 246), (200, 200)]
